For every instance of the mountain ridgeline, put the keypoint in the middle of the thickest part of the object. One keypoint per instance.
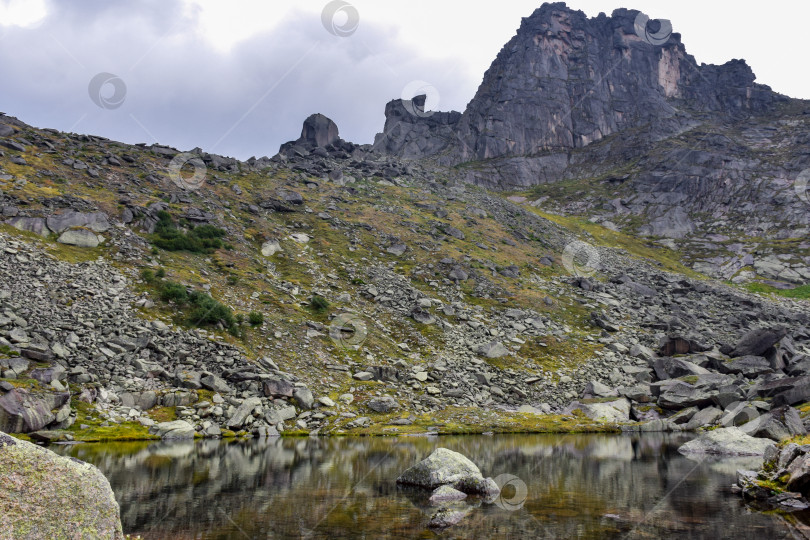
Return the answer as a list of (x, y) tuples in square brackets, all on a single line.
[(611, 119)]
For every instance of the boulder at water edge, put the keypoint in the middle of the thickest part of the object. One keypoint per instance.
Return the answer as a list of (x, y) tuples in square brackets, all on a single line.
[(44, 495), (731, 441)]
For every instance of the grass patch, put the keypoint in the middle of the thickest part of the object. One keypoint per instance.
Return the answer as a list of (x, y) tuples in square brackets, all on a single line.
[(801, 292)]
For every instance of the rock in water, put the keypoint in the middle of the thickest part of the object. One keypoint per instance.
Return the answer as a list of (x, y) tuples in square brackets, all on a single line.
[(49, 496), (729, 441), (445, 467)]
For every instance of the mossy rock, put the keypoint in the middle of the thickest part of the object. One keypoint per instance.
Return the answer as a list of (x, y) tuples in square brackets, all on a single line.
[(45, 495)]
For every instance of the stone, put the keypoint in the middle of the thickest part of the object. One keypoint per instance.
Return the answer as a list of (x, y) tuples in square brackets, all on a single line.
[(176, 429), (672, 368), (447, 517), (215, 383), (95, 221), (278, 416), (779, 424), (47, 375), (383, 404), (45, 495), (303, 396), (278, 388), (319, 130), (609, 411), (79, 237), (704, 418), (748, 366), (326, 401), (362, 376), (682, 394), (270, 248), (22, 412), (492, 349), (730, 441), (756, 342), (243, 412), (446, 493), (446, 467), (597, 389)]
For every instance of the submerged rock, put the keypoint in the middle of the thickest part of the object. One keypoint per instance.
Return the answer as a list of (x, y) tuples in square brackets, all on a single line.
[(49, 496)]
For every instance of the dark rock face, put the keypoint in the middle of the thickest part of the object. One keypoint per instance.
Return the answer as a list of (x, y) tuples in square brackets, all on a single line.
[(412, 132), (319, 136), (565, 81), (320, 130)]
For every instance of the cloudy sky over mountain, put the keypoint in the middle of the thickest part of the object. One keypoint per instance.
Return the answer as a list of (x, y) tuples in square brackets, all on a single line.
[(238, 77)]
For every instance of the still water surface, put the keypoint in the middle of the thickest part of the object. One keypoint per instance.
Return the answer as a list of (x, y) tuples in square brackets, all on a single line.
[(576, 486)]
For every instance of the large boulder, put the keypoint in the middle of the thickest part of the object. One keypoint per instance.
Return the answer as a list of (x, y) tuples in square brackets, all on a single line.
[(617, 410), (95, 221), (45, 495), (243, 412), (384, 404), (23, 412), (446, 467), (672, 368), (79, 238), (757, 341), (177, 429), (730, 441), (319, 130)]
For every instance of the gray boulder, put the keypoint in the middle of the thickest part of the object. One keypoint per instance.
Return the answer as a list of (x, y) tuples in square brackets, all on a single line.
[(493, 349), (604, 411), (446, 467), (383, 404), (303, 396), (22, 412), (45, 495), (749, 366), (243, 412), (757, 341), (79, 238), (177, 429), (730, 441)]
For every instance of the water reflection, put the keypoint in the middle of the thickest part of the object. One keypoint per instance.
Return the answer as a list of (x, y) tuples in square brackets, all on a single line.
[(578, 486)]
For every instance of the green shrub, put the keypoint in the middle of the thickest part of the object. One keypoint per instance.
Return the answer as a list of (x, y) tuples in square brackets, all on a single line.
[(319, 303), (147, 275), (160, 273), (255, 318), (202, 239), (205, 310), (169, 290)]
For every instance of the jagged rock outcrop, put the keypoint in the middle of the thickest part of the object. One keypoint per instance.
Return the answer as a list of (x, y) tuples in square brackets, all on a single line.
[(565, 81), (318, 135), (412, 132)]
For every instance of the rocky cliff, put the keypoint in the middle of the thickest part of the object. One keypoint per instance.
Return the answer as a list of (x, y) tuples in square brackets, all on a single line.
[(611, 119)]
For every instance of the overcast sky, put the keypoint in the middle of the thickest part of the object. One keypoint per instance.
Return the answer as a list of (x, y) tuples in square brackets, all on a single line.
[(238, 77)]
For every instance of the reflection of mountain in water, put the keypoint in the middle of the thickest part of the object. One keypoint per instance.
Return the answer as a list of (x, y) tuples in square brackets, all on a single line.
[(579, 486)]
